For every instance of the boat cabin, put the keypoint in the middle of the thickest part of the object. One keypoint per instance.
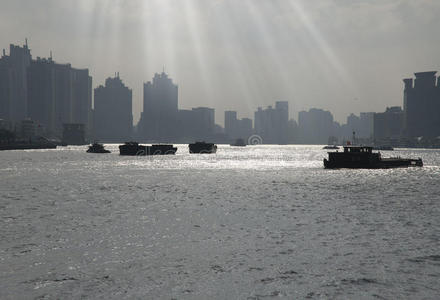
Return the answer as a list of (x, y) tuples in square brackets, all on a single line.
[(358, 149)]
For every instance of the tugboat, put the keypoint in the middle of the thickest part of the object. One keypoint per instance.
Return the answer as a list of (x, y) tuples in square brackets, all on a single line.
[(202, 148), (363, 157), (97, 148), (132, 148)]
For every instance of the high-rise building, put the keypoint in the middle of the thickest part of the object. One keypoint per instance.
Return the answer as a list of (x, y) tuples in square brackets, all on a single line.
[(13, 83), (272, 124), (421, 105), (231, 123), (237, 128), (159, 117), (58, 94), (113, 115), (389, 124), (315, 126)]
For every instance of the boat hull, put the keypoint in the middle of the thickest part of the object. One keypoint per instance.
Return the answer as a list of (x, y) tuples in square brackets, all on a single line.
[(202, 148), (140, 150), (381, 164)]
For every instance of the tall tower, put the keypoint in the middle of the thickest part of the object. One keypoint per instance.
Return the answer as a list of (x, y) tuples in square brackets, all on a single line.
[(421, 103), (13, 89), (159, 117), (113, 111)]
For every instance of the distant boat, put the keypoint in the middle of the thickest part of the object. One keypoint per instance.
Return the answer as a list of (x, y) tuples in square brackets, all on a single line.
[(330, 147), (239, 143), (363, 157), (202, 148), (134, 149), (97, 148)]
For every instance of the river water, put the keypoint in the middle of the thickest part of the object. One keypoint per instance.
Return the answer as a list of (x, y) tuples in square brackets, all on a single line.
[(260, 222)]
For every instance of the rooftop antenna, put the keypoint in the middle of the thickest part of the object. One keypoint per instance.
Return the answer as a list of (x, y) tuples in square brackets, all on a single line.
[(50, 54), (26, 43)]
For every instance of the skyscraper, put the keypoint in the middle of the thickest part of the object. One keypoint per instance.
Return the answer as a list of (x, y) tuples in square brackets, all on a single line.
[(113, 115), (315, 126), (159, 117), (272, 124), (13, 83), (58, 94), (421, 105)]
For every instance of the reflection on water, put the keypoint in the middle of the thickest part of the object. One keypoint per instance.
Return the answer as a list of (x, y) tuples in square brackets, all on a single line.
[(246, 223)]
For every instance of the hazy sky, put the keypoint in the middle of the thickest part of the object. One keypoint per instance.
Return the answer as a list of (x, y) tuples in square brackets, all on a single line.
[(342, 55)]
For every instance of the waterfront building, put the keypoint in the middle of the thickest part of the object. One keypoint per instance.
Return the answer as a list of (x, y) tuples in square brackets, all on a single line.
[(113, 117), (421, 105), (389, 124), (272, 124), (316, 126), (13, 83), (159, 118), (237, 128)]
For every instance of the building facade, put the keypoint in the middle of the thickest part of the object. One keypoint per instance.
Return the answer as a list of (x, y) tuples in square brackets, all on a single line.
[(315, 126), (14, 84), (389, 124), (159, 118), (113, 115), (421, 102), (272, 124), (59, 94)]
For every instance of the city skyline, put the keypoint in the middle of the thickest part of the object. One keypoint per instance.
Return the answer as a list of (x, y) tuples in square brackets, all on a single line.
[(263, 52)]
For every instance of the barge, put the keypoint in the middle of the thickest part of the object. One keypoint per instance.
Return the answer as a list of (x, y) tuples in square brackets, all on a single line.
[(202, 148)]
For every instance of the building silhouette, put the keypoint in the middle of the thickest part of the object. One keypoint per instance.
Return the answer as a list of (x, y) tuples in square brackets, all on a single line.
[(389, 124), (47, 93), (159, 118), (13, 83), (316, 126), (362, 125), (59, 94), (421, 102), (113, 117), (237, 128), (272, 124)]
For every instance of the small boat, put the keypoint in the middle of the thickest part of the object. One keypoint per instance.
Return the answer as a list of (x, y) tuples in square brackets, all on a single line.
[(363, 157), (202, 148), (239, 143), (334, 147), (97, 148)]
